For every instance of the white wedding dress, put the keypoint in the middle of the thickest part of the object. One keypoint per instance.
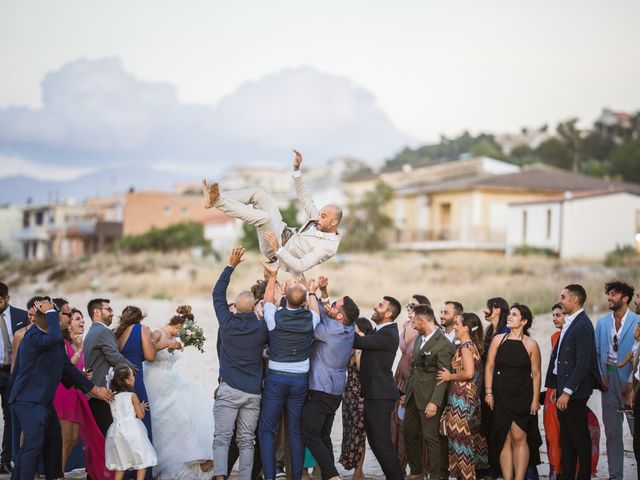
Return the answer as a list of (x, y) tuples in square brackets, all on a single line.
[(181, 420)]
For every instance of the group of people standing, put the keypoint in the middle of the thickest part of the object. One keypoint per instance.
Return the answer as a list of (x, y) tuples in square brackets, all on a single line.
[(117, 374), (463, 401)]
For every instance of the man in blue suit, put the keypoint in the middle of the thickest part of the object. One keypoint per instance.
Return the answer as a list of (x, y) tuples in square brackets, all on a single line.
[(11, 320), (614, 340), (42, 363), (573, 372)]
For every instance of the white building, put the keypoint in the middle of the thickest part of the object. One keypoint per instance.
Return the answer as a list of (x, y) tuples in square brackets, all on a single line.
[(10, 220), (223, 232), (577, 224)]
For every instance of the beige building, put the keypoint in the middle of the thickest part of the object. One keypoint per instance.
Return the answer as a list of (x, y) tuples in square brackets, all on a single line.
[(464, 204)]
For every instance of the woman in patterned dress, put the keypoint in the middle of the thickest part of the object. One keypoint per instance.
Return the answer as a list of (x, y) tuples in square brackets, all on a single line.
[(460, 421), (354, 439)]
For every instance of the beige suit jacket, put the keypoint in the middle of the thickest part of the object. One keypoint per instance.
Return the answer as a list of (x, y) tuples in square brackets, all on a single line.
[(307, 247)]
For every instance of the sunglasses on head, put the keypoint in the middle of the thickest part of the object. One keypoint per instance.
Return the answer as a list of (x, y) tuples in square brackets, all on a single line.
[(412, 305)]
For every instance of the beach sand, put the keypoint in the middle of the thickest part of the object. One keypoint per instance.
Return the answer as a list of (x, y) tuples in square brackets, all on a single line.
[(203, 367)]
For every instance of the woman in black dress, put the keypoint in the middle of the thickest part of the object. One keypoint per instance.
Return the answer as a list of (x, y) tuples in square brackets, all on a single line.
[(512, 391)]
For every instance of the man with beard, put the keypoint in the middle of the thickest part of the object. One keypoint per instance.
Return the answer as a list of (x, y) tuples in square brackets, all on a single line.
[(448, 316), (101, 353), (614, 340), (330, 354), (41, 365), (573, 372), (426, 397), (379, 392)]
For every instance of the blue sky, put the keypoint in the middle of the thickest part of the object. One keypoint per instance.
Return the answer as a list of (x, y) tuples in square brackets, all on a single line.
[(251, 78)]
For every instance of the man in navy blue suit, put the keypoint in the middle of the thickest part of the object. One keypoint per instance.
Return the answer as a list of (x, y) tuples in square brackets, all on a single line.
[(42, 363), (11, 320), (573, 372)]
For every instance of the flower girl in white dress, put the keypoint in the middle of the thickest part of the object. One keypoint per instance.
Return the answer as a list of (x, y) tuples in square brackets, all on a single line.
[(127, 446)]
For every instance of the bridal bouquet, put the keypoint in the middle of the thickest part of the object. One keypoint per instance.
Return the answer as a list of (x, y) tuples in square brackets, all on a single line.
[(191, 334)]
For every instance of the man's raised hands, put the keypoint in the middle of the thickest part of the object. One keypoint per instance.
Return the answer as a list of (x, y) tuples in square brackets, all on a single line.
[(297, 161), (236, 256)]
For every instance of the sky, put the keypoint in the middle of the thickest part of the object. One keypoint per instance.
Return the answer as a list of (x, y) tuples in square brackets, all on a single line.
[(180, 84)]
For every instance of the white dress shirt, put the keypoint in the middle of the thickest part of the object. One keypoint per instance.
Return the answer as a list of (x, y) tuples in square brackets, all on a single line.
[(425, 339), (612, 357), (568, 320), (7, 322), (382, 325)]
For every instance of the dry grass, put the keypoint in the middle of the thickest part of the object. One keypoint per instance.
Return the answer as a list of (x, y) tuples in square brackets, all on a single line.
[(470, 278)]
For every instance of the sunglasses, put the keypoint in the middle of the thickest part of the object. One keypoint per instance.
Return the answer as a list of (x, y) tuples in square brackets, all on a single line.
[(615, 343), (412, 305)]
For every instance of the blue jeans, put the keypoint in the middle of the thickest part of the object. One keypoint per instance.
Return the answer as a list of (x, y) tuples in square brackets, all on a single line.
[(280, 391)]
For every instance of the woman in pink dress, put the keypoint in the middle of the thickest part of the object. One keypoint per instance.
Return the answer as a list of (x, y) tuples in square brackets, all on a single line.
[(408, 336), (76, 420)]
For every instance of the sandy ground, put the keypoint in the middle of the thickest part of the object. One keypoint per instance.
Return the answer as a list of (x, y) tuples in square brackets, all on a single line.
[(203, 367)]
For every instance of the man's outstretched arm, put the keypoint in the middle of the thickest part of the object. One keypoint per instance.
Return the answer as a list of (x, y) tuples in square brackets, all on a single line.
[(219, 293), (304, 197)]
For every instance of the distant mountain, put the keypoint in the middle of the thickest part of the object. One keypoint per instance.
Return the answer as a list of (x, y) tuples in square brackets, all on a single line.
[(19, 189)]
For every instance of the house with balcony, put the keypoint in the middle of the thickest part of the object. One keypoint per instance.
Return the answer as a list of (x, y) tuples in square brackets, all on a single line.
[(464, 204), (67, 230)]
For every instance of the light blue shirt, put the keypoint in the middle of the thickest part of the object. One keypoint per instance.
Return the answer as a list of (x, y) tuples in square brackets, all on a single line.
[(330, 355), (270, 319)]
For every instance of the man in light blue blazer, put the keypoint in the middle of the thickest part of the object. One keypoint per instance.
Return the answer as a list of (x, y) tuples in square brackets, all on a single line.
[(614, 340)]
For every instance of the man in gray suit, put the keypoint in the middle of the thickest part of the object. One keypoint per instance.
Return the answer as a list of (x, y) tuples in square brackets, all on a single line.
[(426, 398), (100, 354), (296, 251)]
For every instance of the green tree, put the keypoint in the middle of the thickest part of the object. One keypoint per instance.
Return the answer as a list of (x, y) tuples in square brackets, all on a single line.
[(554, 152), (625, 161), (366, 222), (249, 238), (571, 137)]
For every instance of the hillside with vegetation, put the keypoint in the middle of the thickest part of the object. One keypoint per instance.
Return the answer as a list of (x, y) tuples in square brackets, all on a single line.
[(611, 151)]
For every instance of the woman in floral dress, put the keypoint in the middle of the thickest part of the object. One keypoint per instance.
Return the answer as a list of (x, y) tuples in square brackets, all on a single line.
[(460, 421)]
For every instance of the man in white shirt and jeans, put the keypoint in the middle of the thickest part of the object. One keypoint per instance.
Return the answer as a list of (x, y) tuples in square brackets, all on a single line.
[(614, 340)]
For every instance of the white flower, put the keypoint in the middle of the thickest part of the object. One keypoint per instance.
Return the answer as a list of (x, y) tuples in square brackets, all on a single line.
[(189, 332)]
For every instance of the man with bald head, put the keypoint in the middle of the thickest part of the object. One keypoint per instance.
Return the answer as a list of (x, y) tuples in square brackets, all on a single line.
[(241, 339), (291, 330), (296, 250)]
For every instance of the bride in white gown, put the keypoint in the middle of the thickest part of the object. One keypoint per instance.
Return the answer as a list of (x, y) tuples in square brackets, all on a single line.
[(181, 411)]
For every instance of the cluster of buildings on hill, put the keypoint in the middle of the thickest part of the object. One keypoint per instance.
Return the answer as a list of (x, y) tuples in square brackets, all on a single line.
[(475, 203)]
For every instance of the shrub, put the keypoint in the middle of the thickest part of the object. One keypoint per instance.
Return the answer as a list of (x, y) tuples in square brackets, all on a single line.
[(177, 237), (622, 256)]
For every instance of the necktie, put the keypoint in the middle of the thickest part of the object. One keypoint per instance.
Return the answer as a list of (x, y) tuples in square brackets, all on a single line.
[(6, 341)]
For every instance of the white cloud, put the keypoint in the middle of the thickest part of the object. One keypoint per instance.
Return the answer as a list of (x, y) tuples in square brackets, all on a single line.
[(12, 165), (96, 114)]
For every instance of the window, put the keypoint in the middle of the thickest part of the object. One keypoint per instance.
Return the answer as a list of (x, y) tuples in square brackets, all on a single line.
[(184, 211), (524, 227), (39, 218), (548, 224), (166, 210)]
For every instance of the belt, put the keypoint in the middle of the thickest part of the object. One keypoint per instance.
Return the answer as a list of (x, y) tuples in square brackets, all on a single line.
[(288, 374)]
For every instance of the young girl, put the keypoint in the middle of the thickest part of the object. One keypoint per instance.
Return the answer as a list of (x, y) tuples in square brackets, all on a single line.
[(127, 444)]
